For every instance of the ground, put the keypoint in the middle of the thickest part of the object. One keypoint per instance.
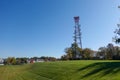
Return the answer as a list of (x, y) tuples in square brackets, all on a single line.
[(63, 70)]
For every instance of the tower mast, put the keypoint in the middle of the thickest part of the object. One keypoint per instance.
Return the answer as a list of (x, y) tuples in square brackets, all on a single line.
[(77, 35)]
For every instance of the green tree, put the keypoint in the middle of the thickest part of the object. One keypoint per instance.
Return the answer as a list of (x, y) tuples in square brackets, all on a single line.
[(87, 53), (116, 39), (116, 54), (69, 53), (73, 52), (8, 60), (65, 57), (11, 60), (110, 51), (102, 53)]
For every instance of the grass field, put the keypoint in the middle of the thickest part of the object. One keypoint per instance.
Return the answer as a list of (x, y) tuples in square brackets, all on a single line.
[(63, 70)]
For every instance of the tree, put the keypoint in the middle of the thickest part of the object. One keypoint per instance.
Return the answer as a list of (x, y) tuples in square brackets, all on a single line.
[(48, 58), (117, 32), (73, 52), (116, 39), (64, 57), (102, 52), (11, 60), (116, 54), (87, 53), (110, 51), (69, 53)]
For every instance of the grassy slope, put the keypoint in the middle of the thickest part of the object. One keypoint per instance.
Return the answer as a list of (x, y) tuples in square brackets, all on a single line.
[(64, 70)]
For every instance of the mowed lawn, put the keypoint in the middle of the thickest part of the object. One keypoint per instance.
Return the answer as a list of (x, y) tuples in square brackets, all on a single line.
[(63, 70)]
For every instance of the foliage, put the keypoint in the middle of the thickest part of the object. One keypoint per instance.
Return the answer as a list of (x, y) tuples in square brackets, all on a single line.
[(10, 60), (109, 52), (73, 52), (87, 53), (21, 60), (15, 61), (102, 53), (48, 58), (117, 35)]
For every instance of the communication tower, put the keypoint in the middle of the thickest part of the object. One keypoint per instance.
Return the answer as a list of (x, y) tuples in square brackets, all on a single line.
[(77, 35)]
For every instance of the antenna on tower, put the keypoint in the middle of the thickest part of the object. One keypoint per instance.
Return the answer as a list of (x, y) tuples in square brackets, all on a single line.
[(77, 36)]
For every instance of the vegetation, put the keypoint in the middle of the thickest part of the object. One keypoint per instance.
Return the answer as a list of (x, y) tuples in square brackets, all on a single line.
[(63, 70), (106, 53), (117, 35), (24, 60), (15, 61)]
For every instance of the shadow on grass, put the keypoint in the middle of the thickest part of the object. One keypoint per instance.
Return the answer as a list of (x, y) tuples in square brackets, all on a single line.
[(104, 67)]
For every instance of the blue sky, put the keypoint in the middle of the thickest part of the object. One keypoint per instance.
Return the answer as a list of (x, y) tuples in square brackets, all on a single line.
[(45, 27)]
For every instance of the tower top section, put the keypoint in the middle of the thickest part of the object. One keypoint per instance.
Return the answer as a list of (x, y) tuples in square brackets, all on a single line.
[(76, 19)]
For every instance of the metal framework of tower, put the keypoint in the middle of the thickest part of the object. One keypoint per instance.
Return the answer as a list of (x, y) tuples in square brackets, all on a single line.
[(77, 34)]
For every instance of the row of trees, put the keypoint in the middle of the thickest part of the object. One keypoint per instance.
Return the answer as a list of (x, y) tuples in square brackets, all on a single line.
[(74, 52), (24, 60), (108, 52), (14, 61), (45, 58)]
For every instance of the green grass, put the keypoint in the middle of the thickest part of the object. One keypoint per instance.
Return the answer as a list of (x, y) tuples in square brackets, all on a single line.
[(63, 70)]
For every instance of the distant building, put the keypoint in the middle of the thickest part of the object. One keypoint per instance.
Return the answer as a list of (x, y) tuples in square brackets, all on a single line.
[(39, 60), (30, 61), (34, 61), (1, 61), (94, 54)]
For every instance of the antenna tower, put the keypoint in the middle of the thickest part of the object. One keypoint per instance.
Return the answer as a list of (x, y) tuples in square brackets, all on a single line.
[(77, 35)]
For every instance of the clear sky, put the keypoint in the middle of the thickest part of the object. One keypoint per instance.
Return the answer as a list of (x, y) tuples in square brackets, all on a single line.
[(45, 27)]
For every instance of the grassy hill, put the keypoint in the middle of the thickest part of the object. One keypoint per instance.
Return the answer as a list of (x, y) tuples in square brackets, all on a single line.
[(63, 70)]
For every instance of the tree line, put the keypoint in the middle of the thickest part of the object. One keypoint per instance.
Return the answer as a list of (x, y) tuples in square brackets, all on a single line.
[(25, 60), (109, 52)]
